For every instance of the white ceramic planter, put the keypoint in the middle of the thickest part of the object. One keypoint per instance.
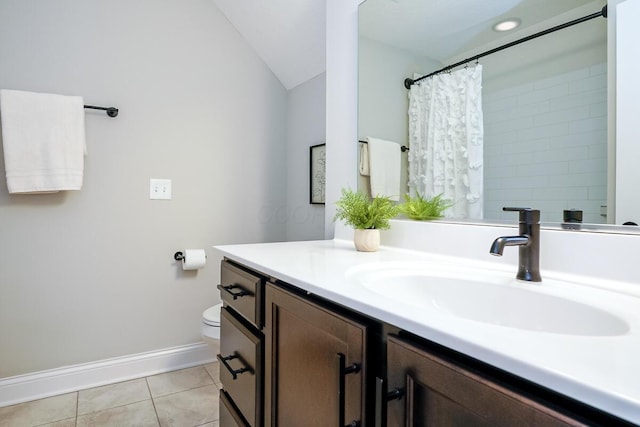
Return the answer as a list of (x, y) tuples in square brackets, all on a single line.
[(367, 240)]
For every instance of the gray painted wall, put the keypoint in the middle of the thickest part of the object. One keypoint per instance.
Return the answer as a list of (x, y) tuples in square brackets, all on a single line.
[(306, 125), (90, 275)]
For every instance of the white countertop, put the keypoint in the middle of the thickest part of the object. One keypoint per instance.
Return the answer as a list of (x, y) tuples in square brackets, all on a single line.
[(602, 371)]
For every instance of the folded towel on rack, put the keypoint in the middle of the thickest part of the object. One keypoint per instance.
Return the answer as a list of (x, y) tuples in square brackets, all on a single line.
[(44, 141), (384, 168)]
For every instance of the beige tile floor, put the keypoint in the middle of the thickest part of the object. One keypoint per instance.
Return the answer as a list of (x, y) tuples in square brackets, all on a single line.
[(184, 398)]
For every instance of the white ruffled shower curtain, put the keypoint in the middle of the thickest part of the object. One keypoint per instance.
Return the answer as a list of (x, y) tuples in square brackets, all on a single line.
[(446, 138)]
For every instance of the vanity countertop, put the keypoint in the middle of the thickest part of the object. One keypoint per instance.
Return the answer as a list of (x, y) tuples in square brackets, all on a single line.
[(602, 371)]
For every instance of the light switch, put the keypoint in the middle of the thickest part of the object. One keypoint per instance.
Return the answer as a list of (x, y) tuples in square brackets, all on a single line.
[(160, 189)]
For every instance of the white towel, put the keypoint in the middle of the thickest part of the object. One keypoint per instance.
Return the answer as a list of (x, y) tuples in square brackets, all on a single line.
[(44, 141), (384, 168)]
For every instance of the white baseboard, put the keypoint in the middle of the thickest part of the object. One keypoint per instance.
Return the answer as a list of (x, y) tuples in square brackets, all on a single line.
[(23, 388)]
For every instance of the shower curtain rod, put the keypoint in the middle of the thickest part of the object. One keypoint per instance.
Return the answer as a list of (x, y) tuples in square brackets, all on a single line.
[(408, 82)]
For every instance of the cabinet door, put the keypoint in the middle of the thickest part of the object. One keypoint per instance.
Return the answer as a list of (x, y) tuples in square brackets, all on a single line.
[(437, 392), (314, 364)]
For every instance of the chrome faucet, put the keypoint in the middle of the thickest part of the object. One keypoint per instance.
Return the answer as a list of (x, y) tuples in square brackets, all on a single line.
[(528, 243)]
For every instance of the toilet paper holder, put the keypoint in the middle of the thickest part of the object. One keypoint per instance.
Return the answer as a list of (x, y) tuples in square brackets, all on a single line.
[(191, 259)]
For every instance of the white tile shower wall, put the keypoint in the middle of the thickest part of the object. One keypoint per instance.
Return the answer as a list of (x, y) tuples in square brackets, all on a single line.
[(546, 145)]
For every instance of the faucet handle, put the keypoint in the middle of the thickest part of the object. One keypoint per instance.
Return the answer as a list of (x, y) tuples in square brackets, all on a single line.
[(527, 215)]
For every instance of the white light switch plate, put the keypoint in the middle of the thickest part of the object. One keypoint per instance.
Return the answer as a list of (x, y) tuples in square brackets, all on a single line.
[(160, 189)]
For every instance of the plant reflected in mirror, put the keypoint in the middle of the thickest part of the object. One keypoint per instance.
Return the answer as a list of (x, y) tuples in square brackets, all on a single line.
[(423, 209)]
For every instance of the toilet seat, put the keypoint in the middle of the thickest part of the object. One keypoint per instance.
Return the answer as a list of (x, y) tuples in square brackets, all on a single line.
[(211, 316)]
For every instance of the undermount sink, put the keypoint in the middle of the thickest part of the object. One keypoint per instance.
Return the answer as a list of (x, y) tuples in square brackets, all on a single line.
[(490, 297)]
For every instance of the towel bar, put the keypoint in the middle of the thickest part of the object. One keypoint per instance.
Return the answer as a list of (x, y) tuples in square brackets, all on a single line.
[(403, 148), (111, 111)]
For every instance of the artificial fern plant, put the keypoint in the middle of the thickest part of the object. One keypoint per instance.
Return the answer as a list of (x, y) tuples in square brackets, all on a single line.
[(421, 208), (357, 210)]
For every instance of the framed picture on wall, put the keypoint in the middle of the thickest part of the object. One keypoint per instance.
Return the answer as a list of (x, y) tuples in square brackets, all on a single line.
[(317, 171)]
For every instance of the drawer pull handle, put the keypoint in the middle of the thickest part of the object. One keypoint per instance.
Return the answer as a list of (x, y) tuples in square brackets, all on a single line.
[(234, 372), (229, 289)]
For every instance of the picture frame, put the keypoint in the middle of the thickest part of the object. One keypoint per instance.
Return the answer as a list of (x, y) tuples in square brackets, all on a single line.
[(317, 174)]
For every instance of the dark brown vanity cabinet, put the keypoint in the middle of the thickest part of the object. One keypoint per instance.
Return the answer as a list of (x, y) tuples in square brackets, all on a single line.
[(241, 346), (433, 391), (316, 365)]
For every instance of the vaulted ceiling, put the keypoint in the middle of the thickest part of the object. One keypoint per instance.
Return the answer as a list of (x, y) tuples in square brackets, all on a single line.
[(289, 35)]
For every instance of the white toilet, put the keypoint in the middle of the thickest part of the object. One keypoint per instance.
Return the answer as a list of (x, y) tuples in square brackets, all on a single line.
[(211, 327)]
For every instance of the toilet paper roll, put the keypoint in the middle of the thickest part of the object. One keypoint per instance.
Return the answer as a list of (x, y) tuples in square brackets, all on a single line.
[(194, 259)]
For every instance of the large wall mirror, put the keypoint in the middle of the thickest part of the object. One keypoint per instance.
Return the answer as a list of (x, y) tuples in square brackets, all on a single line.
[(546, 115)]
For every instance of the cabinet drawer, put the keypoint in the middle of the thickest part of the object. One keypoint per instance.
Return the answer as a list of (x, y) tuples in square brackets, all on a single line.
[(242, 291), (229, 415), (241, 365)]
